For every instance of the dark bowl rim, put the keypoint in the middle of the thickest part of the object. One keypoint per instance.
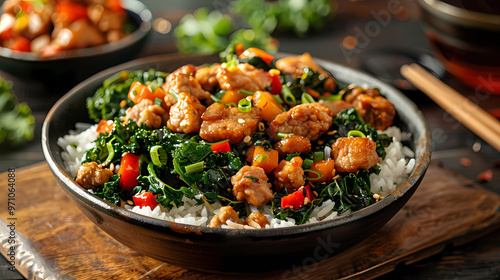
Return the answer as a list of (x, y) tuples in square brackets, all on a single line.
[(460, 16), (144, 26), (100, 205)]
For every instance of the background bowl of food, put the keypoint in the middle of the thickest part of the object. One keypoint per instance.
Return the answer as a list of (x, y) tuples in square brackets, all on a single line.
[(59, 42), (197, 233)]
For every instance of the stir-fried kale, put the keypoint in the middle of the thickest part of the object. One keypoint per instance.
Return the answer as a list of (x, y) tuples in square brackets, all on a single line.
[(110, 190), (351, 191), (105, 103), (349, 119)]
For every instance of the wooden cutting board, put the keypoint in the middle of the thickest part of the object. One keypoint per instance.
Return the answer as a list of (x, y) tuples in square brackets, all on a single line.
[(445, 209)]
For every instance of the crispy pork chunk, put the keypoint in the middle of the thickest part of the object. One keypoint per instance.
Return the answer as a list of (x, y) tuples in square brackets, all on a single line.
[(185, 115), (251, 184), (90, 175), (309, 120), (353, 153), (221, 123)]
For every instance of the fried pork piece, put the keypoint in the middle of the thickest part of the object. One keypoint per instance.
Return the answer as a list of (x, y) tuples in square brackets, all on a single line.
[(146, 112), (183, 80), (372, 107), (207, 77), (185, 115), (295, 64), (221, 123), (293, 144), (90, 175), (256, 220), (244, 76), (336, 106), (289, 175), (353, 153), (225, 214), (309, 120), (250, 184)]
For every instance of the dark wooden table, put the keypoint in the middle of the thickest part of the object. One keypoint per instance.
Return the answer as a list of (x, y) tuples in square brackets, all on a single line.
[(478, 259)]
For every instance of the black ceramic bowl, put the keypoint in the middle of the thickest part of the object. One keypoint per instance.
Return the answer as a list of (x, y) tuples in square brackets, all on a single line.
[(78, 64), (215, 249)]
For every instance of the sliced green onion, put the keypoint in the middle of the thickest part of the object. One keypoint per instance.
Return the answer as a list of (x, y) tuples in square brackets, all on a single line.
[(231, 64), (118, 77), (174, 94), (215, 99), (227, 140), (195, 167), (245, 105), (231, 104), (284, 135), (315, 172), (317, 156), (287, 95), (111, 150), (246, 92), (307, 163), (356, 133), (158, 101), (307, 98), (278, 98), (260, 158), (333, 97), (158, 155)]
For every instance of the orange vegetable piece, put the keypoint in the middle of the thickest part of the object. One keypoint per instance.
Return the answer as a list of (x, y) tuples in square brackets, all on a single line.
[(249, 153), (104, 126), (325, 168), (267, 160), (251, 52), (232, 96), (139, 92), (270, 107)]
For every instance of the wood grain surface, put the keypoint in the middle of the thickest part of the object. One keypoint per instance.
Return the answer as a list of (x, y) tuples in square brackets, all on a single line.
[(446, 209)]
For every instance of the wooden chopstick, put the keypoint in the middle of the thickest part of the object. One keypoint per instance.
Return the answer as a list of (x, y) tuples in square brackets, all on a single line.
[(461, 108)]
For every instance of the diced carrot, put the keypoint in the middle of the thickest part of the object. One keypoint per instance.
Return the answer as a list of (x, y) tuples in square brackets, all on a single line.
[(270, 107), (232, 96), (325, 168), (104, 126), (139, 92), (267, 160), (249, 153)]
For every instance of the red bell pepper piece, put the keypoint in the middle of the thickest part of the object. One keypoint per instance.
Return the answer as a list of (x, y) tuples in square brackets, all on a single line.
[(21, 44), (71, 11), (104, 126), (129, 170), (276, 85), (145, 199), (297, 199), (223, 147), (251, 52)]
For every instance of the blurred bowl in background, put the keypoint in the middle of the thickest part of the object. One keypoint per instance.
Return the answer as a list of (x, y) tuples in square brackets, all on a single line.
[(73, 66), (465, 37)]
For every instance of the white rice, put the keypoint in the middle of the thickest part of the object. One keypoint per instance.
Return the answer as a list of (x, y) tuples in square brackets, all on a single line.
[(74, 145), (396, 167)]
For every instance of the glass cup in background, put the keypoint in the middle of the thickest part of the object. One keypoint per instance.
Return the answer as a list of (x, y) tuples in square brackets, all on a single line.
[(465, 37)]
